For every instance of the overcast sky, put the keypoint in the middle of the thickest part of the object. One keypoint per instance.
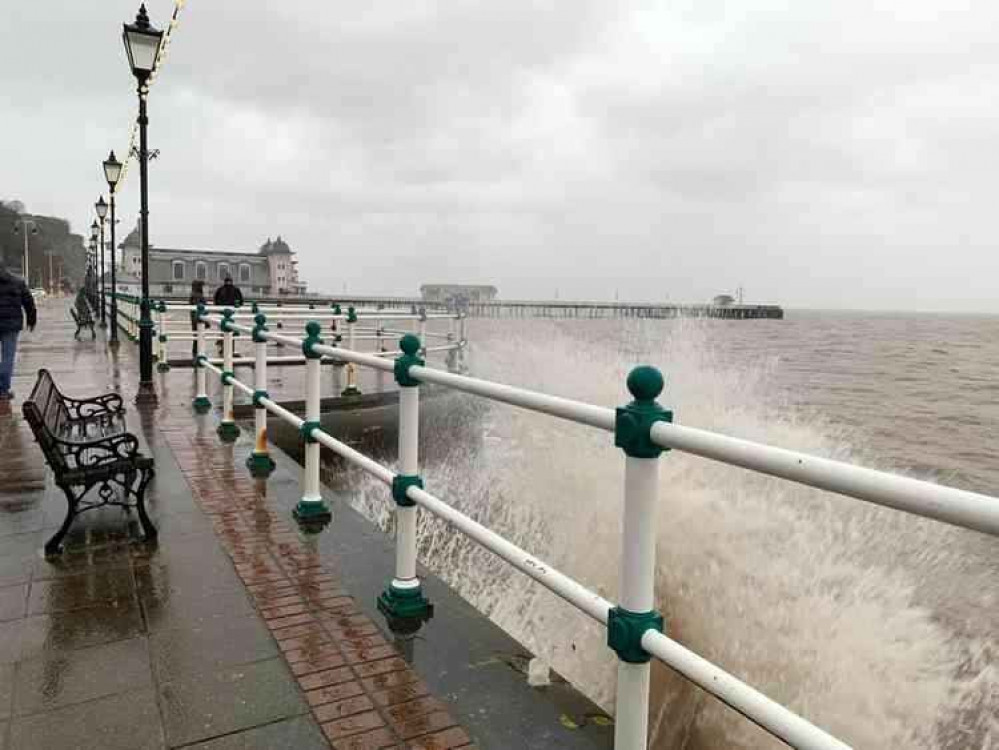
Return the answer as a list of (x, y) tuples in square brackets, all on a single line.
[(821, 154)]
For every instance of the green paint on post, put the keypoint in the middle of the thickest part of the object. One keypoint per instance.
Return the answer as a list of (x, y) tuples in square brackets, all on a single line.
[(625, 630), (312, 331), (202, 405), (313, 514), (260, 465), (400, 486), (351, 314), (228, 432), (410, 346), (260, 328), (408, 604), (633, 423)]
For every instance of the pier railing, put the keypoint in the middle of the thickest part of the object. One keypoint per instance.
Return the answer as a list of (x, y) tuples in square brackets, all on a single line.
[(642, 429)]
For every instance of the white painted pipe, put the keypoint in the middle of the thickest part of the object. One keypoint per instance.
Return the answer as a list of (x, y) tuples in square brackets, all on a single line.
[(199, 375), (357, 458), (409, 442), (585, 600), (958, 507), (564, 408), (227, 415), (260, 413), (637, 587), (771, 716), (279, 411), (310, 476)]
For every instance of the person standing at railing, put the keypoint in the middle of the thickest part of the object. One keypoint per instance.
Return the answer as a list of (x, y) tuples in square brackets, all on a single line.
[(197, 297), (14, 297)]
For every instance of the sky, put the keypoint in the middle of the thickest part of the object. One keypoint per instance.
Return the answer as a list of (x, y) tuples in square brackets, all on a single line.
[(817, 154)]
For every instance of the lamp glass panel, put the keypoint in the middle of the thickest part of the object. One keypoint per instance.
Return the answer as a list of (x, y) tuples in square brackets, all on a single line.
[(142, 49)]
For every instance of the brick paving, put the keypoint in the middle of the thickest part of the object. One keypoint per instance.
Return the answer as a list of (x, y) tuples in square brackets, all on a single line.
[(359, 690)]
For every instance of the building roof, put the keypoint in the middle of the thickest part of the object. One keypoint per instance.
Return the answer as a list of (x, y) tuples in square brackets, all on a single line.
[(275, 247), (208, 254)]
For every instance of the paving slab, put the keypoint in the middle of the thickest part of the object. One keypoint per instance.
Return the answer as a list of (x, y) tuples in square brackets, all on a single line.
[(129, 721), (186, 652), (6, 690), (13, 602), (229, 700), (57, 679), (295, 734)]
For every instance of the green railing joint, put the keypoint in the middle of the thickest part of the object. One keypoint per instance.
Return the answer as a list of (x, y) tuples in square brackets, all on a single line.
[(227, 377), (400, 486), (202, 405), (312, 331), (633, 423), (260, 328), (405, 606), (625, 630), (228, 432), (257, 395), (410, 346), (308, 429)]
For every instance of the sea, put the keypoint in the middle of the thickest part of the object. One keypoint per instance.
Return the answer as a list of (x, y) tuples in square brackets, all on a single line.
[(878, 626)]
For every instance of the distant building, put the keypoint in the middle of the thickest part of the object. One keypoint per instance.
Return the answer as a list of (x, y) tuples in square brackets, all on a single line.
[(458, 295), (272, 271), (723, 300)]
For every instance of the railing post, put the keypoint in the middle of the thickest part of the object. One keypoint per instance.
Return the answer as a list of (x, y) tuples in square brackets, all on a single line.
[(636, 614), (227, 430), (351, 389), (260, 462), (312, 509), (201, 403), (403, 600), (162, 364), (423, 331)]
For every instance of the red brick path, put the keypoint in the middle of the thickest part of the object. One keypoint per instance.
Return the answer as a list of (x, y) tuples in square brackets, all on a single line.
[(362, 694)]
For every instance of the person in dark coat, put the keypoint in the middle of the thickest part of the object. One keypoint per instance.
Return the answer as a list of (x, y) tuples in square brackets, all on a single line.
[(14, 298), (228, 295)]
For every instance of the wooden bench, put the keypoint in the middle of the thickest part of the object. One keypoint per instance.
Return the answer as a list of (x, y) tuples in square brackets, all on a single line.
[(83, 319), (88, 449)]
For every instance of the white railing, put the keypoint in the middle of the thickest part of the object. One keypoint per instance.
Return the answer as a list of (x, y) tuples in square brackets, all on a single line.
[(643, 429), (172, 325)]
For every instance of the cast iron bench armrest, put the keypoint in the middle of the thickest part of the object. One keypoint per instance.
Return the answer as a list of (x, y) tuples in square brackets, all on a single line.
[(87, 454), (84, 408)]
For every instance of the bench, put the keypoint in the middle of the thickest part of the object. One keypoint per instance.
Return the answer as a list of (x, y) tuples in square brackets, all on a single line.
[(87, 447), (83, 319)]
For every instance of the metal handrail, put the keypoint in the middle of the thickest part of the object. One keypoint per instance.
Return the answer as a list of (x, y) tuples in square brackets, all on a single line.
[(957, 507)]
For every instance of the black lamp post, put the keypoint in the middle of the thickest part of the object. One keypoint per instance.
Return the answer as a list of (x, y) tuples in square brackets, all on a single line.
[(112, 172), (142, 42), (102, 211), (91, 292), (94, 232)]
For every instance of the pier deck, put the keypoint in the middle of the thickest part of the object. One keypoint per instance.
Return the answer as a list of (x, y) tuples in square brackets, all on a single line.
[(236, 630)]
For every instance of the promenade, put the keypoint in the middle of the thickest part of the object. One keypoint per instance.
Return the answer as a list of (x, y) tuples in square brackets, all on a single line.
[(235, 631)]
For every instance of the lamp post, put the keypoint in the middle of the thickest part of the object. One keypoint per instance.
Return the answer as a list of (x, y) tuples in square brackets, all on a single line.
[(21, 224), (142, 42), (98, 230), (112, 172), (94, 233), (91, 292)]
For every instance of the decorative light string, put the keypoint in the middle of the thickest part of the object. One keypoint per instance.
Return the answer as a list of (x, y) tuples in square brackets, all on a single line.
[(161, 55)]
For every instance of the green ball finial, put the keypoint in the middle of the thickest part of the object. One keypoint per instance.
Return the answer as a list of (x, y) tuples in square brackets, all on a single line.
[(645, 383), (313, 329), (409, 344), (260, 319)]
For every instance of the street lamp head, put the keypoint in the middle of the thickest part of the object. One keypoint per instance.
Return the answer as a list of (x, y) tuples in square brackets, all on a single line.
[(142, 42), (112, 171), (102, 208), (94, 231)]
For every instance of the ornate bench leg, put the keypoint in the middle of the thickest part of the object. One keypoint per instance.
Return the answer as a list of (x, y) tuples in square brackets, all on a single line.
[(140, 505), (54, 545)]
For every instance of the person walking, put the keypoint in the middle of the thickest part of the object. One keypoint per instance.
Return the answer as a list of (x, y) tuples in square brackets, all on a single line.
[(228, 295), (197, 297), (14, 297)]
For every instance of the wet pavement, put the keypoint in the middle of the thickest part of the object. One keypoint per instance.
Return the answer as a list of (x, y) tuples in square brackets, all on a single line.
[(236, 630)]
